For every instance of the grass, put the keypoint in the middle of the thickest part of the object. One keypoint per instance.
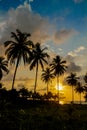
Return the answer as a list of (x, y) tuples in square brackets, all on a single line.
[(41, 115)]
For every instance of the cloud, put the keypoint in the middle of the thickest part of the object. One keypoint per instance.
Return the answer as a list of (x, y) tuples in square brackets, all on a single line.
[(2, 50), (76, 51), (63, 35), (40, 27), (24, 19), (81, 48), (72, 67), (78, 1), (31, 0)]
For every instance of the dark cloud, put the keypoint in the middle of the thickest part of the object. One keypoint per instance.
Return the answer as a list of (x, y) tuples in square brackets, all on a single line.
[(72, 67), (63, 35)]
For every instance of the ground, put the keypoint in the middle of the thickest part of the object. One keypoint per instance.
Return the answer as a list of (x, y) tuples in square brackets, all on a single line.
[(42, 115)]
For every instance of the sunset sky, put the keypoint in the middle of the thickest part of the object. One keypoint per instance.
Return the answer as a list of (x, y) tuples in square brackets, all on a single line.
[(60, 25)]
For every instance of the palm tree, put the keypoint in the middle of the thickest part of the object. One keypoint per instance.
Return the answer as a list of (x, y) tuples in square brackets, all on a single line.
[(47, 76), (39, 56), (3, 66), (72, 81), (79, 89), (85, 78), (17, 49), (58, 67)]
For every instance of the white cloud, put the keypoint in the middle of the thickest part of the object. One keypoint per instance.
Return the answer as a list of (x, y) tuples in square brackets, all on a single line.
[(76, 51), (81, 48), (71, 53), (24, 19)]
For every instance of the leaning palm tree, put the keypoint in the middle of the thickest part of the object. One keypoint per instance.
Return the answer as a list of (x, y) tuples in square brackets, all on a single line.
[(17, 49), (79, 89), (47, 76), (72, 81), (3, 66), (39, 56), (58, 67)]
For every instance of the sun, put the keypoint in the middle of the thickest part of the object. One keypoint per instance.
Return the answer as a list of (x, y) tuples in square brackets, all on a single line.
[(60, 87)]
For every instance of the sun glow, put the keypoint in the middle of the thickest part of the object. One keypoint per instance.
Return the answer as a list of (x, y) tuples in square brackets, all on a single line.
[(60, 87)]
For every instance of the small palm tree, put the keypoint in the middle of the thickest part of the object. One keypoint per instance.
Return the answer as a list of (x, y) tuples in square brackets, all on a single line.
[(72, 81), (79, 89), (58, 67), (3, 66), (17, 49), (39, 56), (47, 76)]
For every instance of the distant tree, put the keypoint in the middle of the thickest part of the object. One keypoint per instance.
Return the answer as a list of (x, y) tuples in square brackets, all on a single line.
[(0, 85), (24, 93), (3, 95), (85, 96), (17, 49), (36, 96), (72, 80), (13, 95), (3, 66), (47, 76), (39, 56), (48, 96), (79, 89), (58, 66)]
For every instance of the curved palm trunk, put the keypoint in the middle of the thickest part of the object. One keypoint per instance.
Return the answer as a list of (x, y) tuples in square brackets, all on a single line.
[(58, 87), (72, 94), (15, 73), (36, 78)]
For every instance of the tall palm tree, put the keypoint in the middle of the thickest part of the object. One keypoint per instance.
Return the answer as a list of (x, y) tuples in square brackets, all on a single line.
[(39, 56), (3, 66), (47, 76), (17, 49), (79, 89), (72, 81), (58, 67)]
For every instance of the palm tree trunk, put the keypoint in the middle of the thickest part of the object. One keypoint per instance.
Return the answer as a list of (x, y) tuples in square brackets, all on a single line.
[(36, 78), (80, 98), (72, 94), (58, 87), (15, 73), (47, 88)]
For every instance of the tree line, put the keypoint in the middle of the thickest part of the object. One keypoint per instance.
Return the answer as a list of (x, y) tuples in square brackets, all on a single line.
[(20, 47)]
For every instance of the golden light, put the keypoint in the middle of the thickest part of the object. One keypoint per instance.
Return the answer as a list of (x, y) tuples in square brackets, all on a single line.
[(60, 87), (61, 102)]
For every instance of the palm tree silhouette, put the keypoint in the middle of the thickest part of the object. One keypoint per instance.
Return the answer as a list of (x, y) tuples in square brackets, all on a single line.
[(79, 89), (17, 49), (3, 66), (85, 78), (47, 76), (39, 56), (72, 81), (58, 67)]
